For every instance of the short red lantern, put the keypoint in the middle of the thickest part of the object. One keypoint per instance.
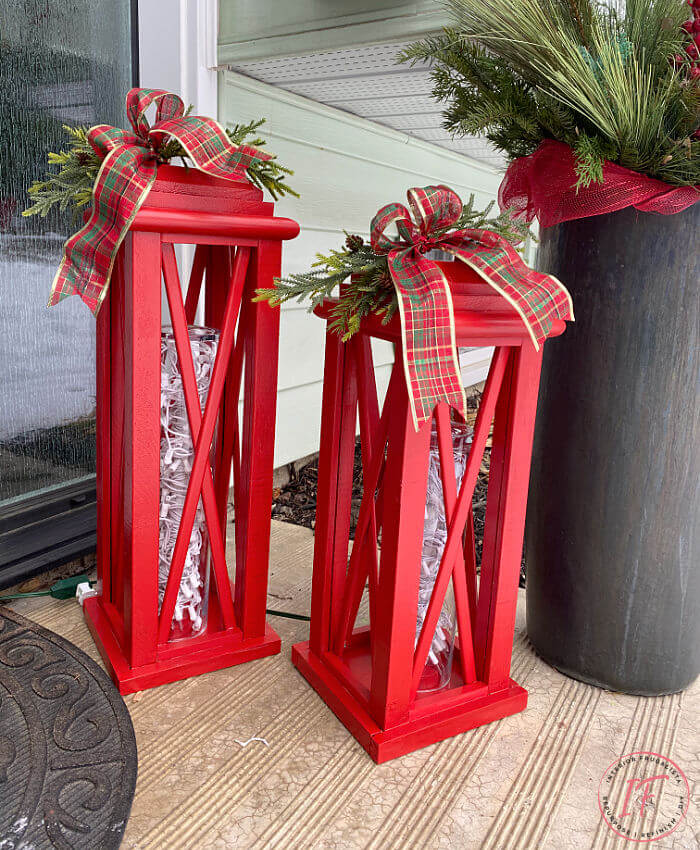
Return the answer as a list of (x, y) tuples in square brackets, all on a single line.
[(149, 635), (373, 677)]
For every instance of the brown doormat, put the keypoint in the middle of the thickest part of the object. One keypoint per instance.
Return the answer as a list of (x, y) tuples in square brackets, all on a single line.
[(67, 748)]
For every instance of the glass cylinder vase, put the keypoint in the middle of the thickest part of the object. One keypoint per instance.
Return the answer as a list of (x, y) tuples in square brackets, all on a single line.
[(438, 666), (176, 459)]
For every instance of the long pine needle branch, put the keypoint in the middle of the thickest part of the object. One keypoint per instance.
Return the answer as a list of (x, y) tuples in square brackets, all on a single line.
[(614, 80)]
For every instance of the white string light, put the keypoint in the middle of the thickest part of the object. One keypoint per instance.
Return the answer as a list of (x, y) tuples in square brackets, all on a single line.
[(176, 459)]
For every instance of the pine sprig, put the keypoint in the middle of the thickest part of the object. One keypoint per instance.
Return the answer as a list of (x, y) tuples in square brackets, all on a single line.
[(362, 277), (71, 186), (590, 153), (268, 174)]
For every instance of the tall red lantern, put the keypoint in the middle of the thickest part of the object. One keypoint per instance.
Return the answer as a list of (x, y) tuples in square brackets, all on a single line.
[(237, 249), (371, 676)]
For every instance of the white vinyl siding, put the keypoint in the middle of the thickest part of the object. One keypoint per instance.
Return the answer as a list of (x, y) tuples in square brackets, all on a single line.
[(346, 168), (259, 29)]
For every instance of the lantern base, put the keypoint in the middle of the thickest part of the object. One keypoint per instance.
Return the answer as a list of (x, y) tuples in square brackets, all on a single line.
[(192, 657), (445, 713)]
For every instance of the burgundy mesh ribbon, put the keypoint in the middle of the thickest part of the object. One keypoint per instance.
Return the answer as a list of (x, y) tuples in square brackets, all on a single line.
[(430, 356), (129, 163), (543, 186)]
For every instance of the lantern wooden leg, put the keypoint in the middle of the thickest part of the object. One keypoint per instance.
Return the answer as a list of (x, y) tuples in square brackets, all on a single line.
[(131, 642), (142, 300), (505, 515), (253, 508), (334, 491), (368, 407), (104, 445), (405, 483), (113, 395)]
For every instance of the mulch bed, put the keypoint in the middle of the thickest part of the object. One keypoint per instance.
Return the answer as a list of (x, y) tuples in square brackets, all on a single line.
[(296, 502)]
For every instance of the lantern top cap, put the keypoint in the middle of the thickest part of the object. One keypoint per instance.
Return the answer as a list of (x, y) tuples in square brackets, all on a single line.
[(482, 316), (189, 186), (187, 203)]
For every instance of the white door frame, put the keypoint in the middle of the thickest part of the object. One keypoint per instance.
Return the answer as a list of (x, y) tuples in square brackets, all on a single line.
[(177, 50)]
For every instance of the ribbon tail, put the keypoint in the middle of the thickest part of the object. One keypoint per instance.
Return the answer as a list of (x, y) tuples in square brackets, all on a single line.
[(429, 349), (122, 185), (537, 298)]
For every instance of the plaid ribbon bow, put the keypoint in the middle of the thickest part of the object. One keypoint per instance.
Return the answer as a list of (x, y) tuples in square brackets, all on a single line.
[(430, 356), (127, 173)]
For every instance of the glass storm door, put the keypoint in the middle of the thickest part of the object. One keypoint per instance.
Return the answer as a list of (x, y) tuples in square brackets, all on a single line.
[(61, 62)]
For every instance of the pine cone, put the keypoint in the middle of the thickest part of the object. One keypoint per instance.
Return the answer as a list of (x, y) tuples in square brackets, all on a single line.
[(385, 279), (83, 158), (353, 243)]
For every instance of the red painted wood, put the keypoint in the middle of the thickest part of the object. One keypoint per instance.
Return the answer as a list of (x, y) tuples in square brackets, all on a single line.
[(124, 618), (405, 482), (184, 663), (228, 440), (384, 744), (368, 406), (459, 568), (192, 191), (346, 461), (512, 444), (116, 592), (253, 510), (219, 277), (208, 225), (142, 328), (215, 527), (358, 568), (194, 287), (369, 676), (232, 447), (327, 495), (104, 445), (365, 565), (203, 441)]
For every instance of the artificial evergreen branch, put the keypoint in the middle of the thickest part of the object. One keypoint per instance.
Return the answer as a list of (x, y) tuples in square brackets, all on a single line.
[(71, 185), (366, 288), (616, 81)]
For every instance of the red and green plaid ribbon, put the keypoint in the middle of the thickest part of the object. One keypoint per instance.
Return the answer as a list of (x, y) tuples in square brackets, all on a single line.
[(129, 163), (430, 355)]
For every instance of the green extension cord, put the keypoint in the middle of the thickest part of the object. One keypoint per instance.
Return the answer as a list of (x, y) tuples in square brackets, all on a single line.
[(63, 589)]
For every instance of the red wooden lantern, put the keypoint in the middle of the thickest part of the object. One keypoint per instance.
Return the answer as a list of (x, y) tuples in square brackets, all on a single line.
[(238, 248), (371, 676)]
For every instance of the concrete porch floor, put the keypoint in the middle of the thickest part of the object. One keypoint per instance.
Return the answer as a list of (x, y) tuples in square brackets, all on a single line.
[(528, 782)]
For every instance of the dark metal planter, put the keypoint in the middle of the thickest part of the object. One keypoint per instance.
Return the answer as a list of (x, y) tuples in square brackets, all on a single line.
[(613, 550)]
